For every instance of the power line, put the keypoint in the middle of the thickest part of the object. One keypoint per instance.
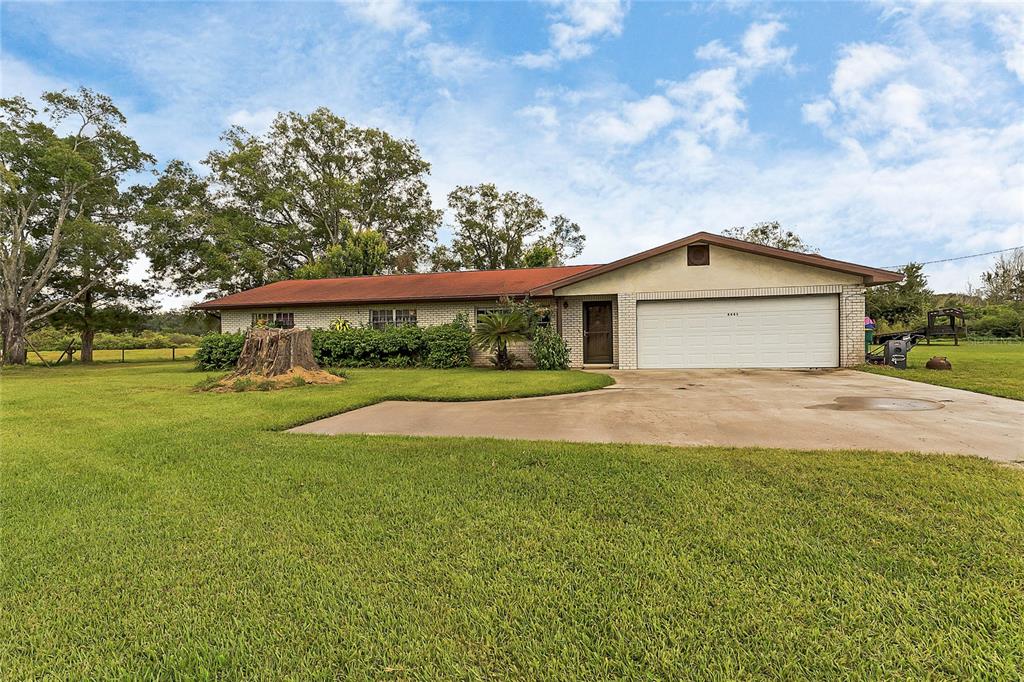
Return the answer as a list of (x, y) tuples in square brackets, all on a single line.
[(946, 260)]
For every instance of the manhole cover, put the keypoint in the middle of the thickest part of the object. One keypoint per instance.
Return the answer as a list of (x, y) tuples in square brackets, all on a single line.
[(856, 403)]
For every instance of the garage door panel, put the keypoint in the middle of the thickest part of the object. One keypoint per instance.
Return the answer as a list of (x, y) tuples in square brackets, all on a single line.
[(793, 331)]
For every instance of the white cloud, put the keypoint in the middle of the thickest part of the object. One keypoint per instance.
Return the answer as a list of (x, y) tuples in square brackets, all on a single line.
[(709, 102), (861, 66), (391, 15), (452, 62), (253, 121), (20, 79), (902, 106), (758, 49), (819, 112), (575, 25), (544, 116), (1009, 29), (634, 123)]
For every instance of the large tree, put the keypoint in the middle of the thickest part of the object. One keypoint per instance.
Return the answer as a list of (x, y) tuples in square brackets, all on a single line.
[(53, 169), (498, 230), (311, 188), (770, 234), (99, 248), (903, 302)]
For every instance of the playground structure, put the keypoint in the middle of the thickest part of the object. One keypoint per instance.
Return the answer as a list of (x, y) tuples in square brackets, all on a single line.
[(892, 349)]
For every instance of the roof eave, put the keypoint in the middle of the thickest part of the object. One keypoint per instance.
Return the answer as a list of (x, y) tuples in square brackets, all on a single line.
[(215, 305), (872, 276)]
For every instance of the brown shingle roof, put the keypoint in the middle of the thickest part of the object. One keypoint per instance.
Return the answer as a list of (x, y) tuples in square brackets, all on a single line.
[(433, 286)]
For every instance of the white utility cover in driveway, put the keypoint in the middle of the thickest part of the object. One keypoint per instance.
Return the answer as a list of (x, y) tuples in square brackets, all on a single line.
[(785, 331)]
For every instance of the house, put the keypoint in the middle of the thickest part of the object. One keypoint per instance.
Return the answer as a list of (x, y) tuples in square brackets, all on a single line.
[(701, 301)]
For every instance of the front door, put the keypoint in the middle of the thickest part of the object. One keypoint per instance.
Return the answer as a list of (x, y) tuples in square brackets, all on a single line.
[(597, 332)]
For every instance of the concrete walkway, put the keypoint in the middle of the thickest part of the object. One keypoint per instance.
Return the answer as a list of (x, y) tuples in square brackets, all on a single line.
[(828, 409)]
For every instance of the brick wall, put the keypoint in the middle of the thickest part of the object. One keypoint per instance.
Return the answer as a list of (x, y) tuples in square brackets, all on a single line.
[(627, 326), (851, 326), (427, 315)]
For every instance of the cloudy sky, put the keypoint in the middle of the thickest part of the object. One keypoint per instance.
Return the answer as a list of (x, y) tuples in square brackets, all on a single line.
[(882, 133)]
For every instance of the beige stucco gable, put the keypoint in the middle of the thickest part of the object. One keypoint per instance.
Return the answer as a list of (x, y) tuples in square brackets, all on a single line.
[(728, 269)]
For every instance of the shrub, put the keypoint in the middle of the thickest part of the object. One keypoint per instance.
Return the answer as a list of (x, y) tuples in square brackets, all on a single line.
[(242, 385), (208, 382), (495, 331), (448, 345), (218, 352), (367, 347), (548, 349), (997, 320), (53, 338)]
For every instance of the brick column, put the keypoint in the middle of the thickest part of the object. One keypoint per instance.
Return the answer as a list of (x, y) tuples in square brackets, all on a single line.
[(572, 330), (627, 331), (851, 326)]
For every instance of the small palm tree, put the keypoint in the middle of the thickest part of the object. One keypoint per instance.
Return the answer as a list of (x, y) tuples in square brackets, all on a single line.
[(496, 330)]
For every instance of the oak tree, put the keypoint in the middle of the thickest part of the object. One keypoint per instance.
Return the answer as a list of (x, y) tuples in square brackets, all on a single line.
[(498, 230), (56, 170)]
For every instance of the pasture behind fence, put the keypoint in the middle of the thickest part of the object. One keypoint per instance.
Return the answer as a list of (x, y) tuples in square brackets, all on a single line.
[(113, 355)]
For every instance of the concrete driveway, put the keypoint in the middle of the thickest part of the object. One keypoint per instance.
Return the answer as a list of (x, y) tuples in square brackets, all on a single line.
[(828, 409)]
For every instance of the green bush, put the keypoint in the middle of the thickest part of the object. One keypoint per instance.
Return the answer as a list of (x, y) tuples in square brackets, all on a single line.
[(1001, 321), (52, 338), (367, 347), (448, 345), (548, 349), (219, 352)]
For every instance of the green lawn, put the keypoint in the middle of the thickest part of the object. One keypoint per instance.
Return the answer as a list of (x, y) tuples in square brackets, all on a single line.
[(149, 531), (992, 368)]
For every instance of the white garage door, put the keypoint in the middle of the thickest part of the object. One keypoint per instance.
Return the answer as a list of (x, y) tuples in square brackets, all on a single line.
[(788, 331)]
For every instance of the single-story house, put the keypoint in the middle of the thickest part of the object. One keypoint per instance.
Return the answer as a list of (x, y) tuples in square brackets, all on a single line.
[(700, 301)]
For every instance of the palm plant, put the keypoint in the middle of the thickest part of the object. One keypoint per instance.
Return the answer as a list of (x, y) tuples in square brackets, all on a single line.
[(494, 331)]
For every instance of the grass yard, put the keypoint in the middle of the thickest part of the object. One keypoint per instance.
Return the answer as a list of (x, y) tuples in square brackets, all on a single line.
[(992, 368), (148, 531)]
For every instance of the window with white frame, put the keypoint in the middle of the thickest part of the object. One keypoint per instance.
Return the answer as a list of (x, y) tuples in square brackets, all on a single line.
[(392, 317), (275, 320)]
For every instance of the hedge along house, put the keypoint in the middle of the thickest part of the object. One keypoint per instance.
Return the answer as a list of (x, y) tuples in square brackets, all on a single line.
[(703, 301)]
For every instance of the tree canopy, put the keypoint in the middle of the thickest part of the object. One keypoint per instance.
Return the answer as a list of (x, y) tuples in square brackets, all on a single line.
[(310, 189), (61, 176), (1005, 281), (770, 234), (903, 302), (499, 230)]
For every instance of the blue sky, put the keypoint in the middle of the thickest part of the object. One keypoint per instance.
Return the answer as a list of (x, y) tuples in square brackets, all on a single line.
[(882, 133)]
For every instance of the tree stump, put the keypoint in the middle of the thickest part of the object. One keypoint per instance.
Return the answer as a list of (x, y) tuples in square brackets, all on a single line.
[(273, 352)]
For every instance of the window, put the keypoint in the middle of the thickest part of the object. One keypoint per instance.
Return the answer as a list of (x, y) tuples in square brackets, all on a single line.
[(480, 312), (275, 320), (392, 317), (544, 319)]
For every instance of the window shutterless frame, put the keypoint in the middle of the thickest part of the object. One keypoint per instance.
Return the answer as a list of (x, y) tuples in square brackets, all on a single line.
[(391, 317)]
